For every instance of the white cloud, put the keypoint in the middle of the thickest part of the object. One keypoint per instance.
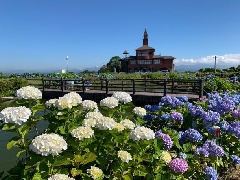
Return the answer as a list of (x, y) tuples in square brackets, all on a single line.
[(224, 60)]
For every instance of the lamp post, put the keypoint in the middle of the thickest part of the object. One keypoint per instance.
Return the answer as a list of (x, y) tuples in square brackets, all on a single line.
[(215, 63), (67, 62)]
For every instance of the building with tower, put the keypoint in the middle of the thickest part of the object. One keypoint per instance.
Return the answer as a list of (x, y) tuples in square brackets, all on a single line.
[(145, 60)]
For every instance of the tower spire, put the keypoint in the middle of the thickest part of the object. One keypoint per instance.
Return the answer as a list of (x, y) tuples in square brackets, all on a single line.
[(145, 38)]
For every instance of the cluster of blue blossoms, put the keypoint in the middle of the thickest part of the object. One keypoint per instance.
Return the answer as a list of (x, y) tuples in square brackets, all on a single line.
[(166, 139), (235, 159), (211, 174), (173, 101), (210, 148), (190, 135)]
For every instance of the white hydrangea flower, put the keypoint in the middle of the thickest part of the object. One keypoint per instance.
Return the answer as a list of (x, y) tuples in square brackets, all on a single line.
[(89, 105), (29, 92), (16, 115), (50, 103), (60, 177), (110, 102), (122, 97), (47, 144), (68, 101), (89, 122), (128, 124), (94, 115), (139, 111), (95, 172), (124, 156), (142, 132), (82, 132), (119, 127), (106, 123)]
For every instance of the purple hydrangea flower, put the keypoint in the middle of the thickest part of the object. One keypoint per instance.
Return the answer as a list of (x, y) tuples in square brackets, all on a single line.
[(210, 148), (234, 128), (176, 116), (211, 174), (178, 165), (236, 114), (195, 110), (166, 139), (172, 101), (235, 159)]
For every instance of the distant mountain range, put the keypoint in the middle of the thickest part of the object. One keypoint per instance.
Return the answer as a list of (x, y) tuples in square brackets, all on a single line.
[(179, 68)]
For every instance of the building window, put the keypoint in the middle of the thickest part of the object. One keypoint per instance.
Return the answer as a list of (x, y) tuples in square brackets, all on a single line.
[(145, 61), (132, 61), (156, 61), (142, 53)]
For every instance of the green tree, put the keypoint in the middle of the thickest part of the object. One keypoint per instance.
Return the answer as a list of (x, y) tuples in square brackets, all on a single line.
[(112, 65)]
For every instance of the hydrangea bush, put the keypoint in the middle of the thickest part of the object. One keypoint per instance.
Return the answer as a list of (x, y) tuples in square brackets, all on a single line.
[(175, 139)]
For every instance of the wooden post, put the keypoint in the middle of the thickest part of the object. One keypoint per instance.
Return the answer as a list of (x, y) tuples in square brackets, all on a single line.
[(134, 88), (201, 88), (107, 85), (101, 84), (165, 88), (122, 84), (172, 85), (83, 85), (145, 84)]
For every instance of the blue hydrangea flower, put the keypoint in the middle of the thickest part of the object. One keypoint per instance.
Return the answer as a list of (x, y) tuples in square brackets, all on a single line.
[(236, 114), (224, 125), (210, 117), (234, 128), (183, 98), (191, 135), (183, 155), (172, 101), (235, 159), (211, 174), (165, 117), (195, 110), (152, 108)]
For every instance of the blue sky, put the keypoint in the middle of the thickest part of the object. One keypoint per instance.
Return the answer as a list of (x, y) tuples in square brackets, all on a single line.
[(39, 34)]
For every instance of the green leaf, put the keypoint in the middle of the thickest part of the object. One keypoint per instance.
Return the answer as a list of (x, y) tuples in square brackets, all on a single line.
[(20, 152), (140, 170), (13, 142), (88, 157), (37, 176), (127, 177), (75, 172), (61, 160), (9, 127)]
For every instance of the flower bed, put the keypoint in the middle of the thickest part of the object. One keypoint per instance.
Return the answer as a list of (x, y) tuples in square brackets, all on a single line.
[(116, 140)]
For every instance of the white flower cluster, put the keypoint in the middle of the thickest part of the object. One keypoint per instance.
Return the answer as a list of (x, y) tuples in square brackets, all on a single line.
[(139, 111), (128, 124), (51, 103), (60, 177), (82, 132), (95, 172), (122, 97), (124, 156), (29, 92), (142, 132), (68, 101), (119, 127), (89, 105), (89, 122), (110, 102), (47, 144), (93, 115), (106, 123), (16, 115)]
